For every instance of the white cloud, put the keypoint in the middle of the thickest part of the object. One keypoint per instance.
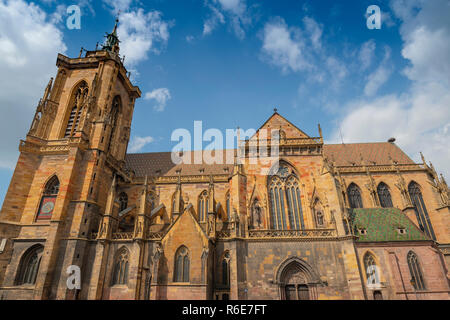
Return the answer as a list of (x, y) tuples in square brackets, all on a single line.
[(419, 118), (235, 11), (141, 33), (315, 31), (138, 143), (119, 5), (367, 54), (161, 97), (379, 77), (282, 48), (429, 51), (294, 49), (29, 43)]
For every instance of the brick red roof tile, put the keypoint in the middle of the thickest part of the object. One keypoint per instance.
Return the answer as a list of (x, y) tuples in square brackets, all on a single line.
[(372, 153), (160, 163)]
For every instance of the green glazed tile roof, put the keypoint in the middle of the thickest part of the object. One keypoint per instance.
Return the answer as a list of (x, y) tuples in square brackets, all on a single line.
[(382, 225)]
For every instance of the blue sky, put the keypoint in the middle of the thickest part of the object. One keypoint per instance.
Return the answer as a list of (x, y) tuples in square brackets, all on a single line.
[(230, 62)]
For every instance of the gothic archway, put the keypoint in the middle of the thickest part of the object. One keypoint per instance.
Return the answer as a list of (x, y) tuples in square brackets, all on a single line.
[(297, 280)]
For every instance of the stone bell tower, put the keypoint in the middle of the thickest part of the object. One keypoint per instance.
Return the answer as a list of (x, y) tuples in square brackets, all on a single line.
[(75, 146)]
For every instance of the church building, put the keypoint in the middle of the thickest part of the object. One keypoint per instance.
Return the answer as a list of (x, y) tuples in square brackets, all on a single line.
[(345, 222)]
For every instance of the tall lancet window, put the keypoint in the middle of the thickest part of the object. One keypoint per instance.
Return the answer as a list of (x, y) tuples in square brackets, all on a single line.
[(120, 275), (203, 206), (384, 195), (114, 119), (76, 104), (372, 272), (285, 199), (48, 199), (29, 266), (417, 280), (354, 196), (421, 210), (182, 265)]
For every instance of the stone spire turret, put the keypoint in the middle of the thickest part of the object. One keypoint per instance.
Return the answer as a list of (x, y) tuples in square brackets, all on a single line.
[(112, 40)]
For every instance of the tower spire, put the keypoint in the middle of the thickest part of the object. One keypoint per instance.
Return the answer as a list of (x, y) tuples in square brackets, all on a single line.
[(112, 39)]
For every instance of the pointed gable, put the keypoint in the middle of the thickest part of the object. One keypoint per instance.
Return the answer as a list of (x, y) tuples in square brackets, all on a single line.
[(277, 122), (186, 224)]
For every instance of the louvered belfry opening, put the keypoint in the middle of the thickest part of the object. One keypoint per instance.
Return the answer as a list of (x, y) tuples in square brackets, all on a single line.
[(77, 104)]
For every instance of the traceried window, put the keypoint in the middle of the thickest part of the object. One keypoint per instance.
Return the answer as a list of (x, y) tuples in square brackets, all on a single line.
[(77, 105), (48, 200), (181, 270), (29, 266), (417, 279), (285, 200), (371, 268), (421, 210), (203, 206), (354, 196), (120, 275), (123, 201), (114, 116), (384, 195)]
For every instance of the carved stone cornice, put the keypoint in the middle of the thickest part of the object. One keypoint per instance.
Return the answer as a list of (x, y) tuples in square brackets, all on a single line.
[(30, 147), (293, 234), (286, 147), (380, 168), (221, 178)]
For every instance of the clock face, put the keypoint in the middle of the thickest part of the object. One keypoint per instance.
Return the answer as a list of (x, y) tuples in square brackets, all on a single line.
[(48, 208)]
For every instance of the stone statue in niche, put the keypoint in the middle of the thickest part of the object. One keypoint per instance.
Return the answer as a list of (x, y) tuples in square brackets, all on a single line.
[(256, 215), (319, 215)]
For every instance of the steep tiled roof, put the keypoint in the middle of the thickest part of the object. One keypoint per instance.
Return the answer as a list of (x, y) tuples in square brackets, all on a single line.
[(372, 153), (382, 225), (160, 163)]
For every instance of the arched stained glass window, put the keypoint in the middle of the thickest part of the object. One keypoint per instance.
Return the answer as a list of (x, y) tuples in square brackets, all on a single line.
[(29, 266), (181, 270), (421, 210), (285, 200), (354, 196), (417, 279), (372, 272), (384, 195), (120, 276), (203, 206)]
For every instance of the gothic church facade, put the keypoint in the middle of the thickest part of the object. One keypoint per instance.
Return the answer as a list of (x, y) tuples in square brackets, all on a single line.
[(354, 221)]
